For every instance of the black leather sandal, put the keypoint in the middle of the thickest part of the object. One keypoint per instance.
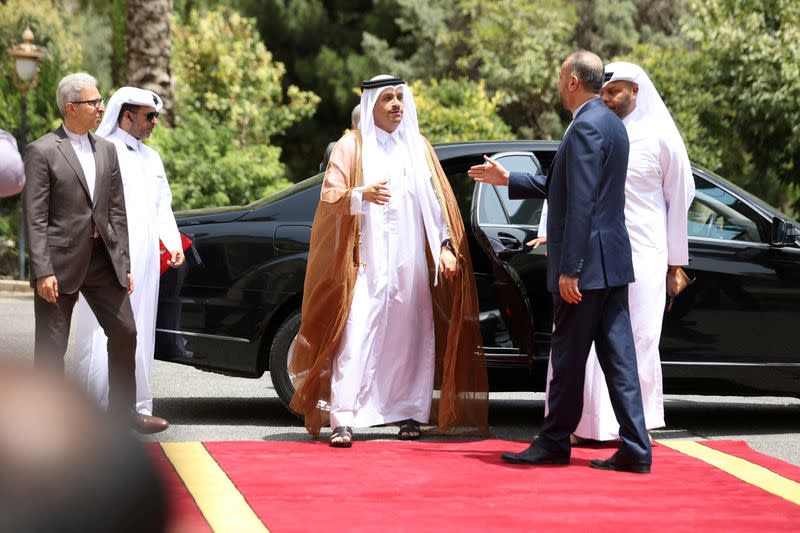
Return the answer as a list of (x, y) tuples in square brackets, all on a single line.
[(409, 430), (345, 433)]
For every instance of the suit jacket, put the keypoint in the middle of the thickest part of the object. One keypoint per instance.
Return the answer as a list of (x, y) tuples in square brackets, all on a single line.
[(60, 215), (585, 191)]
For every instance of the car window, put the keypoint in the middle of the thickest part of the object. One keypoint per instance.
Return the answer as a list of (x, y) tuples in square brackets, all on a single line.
[(490, 210), (526, 211), (463, 187), (717, 214)]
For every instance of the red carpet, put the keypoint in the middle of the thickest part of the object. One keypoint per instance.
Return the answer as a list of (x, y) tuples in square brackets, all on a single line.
[(463, 486), (741, 449), (186, 517)]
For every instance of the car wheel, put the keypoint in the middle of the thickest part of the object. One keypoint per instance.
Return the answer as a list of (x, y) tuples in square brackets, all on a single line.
[(280, 355)]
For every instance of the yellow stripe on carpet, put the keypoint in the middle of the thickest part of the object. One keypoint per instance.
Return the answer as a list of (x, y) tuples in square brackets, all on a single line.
[(221, 503), (748, 472)]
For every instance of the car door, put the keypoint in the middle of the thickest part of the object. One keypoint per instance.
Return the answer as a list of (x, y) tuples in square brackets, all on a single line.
[(502, 226), (743, 308)]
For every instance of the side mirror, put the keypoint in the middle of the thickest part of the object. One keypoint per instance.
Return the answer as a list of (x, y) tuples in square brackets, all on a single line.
[(784, 232)]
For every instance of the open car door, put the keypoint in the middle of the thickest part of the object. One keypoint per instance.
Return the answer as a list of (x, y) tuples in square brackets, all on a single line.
[(521, 326)]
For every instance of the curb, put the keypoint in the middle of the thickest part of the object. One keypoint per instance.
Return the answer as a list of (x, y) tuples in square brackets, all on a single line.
[(15, 286)]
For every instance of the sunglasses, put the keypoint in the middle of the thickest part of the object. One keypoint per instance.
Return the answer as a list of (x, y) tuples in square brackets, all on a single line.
[(149, 117)]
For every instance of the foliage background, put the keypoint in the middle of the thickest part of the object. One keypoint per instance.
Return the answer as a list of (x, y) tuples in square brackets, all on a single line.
[(230, 103), (261, 86)]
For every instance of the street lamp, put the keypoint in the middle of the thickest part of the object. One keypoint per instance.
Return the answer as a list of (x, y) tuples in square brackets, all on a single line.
[(26, 73)]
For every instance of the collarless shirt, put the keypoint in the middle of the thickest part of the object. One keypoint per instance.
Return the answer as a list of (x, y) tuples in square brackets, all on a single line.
[(83, 149), (386, 139), (132, 143), (392, 147)]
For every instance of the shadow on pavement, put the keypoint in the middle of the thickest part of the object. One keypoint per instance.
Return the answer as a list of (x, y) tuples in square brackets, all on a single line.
[(520, 419), (268, 412), (706, 419), (509, 419)]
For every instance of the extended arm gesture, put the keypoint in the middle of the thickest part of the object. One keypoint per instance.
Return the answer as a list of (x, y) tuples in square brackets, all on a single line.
[(490, 172)]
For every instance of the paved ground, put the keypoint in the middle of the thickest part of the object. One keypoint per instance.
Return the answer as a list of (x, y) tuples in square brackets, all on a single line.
[(211, 407)]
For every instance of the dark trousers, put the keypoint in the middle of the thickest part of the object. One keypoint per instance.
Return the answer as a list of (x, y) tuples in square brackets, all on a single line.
[(601, 317), (110, 303)]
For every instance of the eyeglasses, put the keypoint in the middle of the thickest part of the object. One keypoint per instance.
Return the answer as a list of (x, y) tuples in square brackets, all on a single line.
[(94, 103), (151, 116)]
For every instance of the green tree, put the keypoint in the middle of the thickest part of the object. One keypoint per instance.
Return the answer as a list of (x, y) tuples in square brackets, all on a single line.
[(458, 110), (149, 44), (429, 43), (732, 80), (516, 46), (613, 27), (319, 41), (230, 105), (209, 166), (55, 30)]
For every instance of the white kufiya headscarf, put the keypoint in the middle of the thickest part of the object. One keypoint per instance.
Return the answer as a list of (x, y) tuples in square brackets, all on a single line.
[(408, 131), (125, 95), (649, 104), (407, 134)]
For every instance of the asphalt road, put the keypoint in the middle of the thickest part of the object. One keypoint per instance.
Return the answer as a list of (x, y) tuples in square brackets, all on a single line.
[(211, 407)]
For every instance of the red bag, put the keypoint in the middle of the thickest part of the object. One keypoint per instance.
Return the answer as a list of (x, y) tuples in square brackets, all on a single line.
[(164, 254)]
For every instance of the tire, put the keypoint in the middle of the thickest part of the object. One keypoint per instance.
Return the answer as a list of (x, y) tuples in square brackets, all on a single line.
[(279, 357)]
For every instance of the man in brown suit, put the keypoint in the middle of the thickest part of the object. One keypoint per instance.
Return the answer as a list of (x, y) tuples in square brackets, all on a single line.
[(77, 238)]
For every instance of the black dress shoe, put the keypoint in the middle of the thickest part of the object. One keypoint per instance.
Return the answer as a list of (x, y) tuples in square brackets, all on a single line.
[(148, 424), (536, 456), (614, 463)]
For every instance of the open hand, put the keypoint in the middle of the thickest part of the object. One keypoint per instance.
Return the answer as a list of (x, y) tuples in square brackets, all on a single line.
[(377, 193), (490, 172), (535, 243)]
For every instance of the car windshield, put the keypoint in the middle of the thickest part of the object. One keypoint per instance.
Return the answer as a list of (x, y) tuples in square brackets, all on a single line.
[(289, 191), (759, 203)]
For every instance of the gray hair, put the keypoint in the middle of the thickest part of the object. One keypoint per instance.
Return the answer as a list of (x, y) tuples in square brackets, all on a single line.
[(70, 87), (355, 116), (588, 68)]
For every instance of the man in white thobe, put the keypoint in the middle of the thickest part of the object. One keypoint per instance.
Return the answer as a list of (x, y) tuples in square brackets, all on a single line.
[(658, 191), (384, 369), (130, 117), (390, 308)]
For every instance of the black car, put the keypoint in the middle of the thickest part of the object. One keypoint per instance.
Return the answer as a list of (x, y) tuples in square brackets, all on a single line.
[(234, 307)]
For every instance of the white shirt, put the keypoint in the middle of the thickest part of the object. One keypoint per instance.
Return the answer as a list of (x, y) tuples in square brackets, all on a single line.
[(395, 161), (83, 149), (392, 153)]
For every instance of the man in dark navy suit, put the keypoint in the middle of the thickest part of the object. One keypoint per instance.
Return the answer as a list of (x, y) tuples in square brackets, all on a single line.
[(588, 269)]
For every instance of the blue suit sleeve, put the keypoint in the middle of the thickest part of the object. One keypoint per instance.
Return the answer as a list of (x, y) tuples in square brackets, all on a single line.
[(584, 167), (524, 185)]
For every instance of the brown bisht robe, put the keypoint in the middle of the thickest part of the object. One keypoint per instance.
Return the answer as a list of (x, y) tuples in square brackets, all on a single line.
[(333, 261)]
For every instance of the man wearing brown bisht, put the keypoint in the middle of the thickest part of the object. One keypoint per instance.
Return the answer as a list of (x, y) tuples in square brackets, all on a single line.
[(390, 310)]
